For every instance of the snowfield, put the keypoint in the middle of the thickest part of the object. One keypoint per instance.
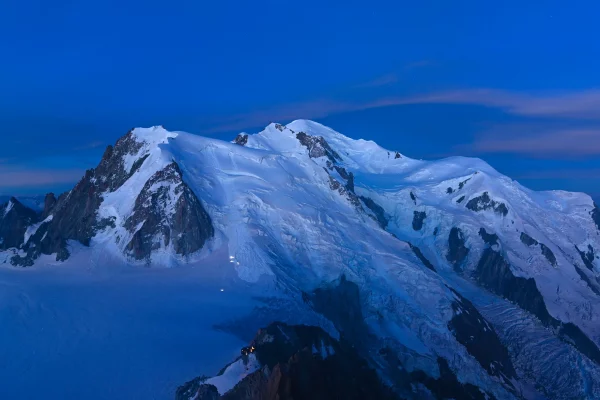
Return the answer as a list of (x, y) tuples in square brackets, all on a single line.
[(294, 209)]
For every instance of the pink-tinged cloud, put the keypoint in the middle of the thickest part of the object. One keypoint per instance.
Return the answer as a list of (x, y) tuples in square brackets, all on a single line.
[(20, 178), (555, 143)]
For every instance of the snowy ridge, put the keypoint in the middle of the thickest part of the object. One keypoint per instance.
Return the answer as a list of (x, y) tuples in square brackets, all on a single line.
[(296, 207)]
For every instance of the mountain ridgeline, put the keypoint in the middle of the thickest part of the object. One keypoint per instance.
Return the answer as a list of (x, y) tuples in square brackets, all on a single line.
[(409, 278)]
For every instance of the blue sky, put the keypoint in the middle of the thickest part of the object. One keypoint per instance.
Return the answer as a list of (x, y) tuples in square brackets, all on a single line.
[(515, 83)]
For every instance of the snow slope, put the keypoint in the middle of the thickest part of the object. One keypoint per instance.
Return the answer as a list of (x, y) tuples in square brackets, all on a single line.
[(288, 219)]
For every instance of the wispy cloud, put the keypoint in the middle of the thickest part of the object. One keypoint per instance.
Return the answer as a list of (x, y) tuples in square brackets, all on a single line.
[(22, 178), (582, 142), (564, 173), (384, 80), (89, 146), (580, 104)]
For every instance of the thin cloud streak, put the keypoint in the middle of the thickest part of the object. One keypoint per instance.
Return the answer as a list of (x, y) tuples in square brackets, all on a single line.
[(37, 177), (384, 80), (583, 105), (557, 143)]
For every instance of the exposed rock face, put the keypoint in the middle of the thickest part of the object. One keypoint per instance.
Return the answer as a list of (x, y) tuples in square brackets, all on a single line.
[(461, 199), (548, 254), (300, 363), (451, 190), (14, 220), (595, 213), (397, 156), (340, 303), (587, 280), (318, 147), (377, 210), (472, 330), (457, 251), (418, 218), (75, 214), (587, 256), (494, 273), (528, 240), (241, 139), (447, 385), (484, 202), (167, 213), (348, 176), (421, 257), (490, 239), (49, 203), (463, 183)]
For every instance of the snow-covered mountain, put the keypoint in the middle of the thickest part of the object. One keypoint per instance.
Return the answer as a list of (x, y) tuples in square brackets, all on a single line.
[(428, 268)]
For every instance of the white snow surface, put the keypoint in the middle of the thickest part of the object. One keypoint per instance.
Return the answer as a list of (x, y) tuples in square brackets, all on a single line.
[(234, 373), (280, 228)]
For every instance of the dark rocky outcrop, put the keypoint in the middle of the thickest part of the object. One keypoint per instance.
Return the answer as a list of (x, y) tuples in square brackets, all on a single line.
[(300, 363), (447, 385), (494, 273), (463, 183), (197, 390), (421, 257), (546, 252), (397, 156), (340, 303), (571, 333), (490, 239), (168, 211), (347, 176), (484, 202), (413, 197), (587, 280), (449, 190), (528, 240), (587, 256), (75, 214), (461, 199), (377, 210), (475, 333), (595, 214), (318, 147), (14, 220), (457, 251), (241, 139), (49, 203), (418, 218)]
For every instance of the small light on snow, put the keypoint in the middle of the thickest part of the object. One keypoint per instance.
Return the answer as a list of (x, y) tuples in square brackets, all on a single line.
[(222, 290), (231, 257), (238, 263)]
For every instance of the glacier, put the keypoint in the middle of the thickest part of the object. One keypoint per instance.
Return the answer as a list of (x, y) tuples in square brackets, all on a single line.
[(293, 209)]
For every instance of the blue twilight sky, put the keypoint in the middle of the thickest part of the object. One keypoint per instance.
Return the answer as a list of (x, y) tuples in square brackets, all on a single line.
[(513, 82)]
